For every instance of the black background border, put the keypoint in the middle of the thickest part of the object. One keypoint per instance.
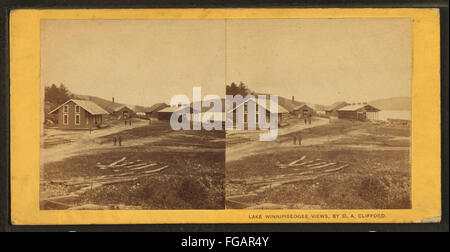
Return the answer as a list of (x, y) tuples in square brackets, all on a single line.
[(7, 5)]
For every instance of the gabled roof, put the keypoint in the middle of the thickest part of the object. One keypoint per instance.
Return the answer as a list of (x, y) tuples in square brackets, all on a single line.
[(89, 106), (336, 106), (107, 105), (356, 107), (156, 107), (301, 106), (121, 107), (283, 102), (174, 109), (269, 103), (205, 109)]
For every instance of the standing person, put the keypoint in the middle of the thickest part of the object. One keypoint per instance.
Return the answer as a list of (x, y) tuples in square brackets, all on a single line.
[(295, 140), (120, 141), (306, 118), (309, 118), (130, 122), (299, 137), (114, 141), (125, 122)]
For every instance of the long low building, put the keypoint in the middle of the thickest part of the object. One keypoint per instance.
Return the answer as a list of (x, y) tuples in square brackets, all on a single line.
[(358, 112), (332, 109), (154, 109)]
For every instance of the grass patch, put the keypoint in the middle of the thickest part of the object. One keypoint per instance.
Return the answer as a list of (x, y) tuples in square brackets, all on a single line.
[(194, 179), (162, 192), (375, 179)]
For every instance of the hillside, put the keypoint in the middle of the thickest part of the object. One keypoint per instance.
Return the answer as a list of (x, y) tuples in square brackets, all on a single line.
[(394, 103)]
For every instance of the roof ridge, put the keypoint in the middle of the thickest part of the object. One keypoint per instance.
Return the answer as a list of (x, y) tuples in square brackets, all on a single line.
[(92, 111)]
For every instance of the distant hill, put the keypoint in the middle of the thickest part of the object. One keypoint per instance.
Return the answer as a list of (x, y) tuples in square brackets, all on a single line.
[(394, 103)]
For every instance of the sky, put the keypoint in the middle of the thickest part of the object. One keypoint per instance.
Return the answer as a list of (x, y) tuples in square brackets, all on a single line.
[(139, 62), (143, 62), (322, 60)]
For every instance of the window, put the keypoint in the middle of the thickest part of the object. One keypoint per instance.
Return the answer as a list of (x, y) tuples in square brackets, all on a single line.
[(65, 119), (77, 119), (66, 114), (77, 115)]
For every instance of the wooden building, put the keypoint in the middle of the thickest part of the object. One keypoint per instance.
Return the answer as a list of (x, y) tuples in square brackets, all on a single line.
[(332, 109), (359, 111), (302, 111), (79, 114), (123, 112), (166, 113), (266, 108), (152, 112)]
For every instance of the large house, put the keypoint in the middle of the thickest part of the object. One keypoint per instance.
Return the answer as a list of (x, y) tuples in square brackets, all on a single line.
[(266, 109), (79, 114)]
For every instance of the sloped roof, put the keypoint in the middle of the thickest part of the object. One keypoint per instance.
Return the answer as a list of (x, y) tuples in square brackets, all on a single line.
[(174, 109), (267, 106), (301, 106), (107, 105), (89, 106), (283, 102), (156, 107), (336, 106), (121, 107), (205, 109), (356, 107)]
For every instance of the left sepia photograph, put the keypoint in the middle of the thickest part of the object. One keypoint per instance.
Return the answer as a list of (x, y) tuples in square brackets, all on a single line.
[(106, 138)]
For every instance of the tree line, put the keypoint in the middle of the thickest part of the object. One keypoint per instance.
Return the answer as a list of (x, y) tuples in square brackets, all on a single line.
[(54, 96), (235, 89)]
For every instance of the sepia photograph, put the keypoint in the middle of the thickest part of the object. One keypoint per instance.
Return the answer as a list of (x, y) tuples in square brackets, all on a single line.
[(225, 116), (106, 138), (344, 114), (335, 93)]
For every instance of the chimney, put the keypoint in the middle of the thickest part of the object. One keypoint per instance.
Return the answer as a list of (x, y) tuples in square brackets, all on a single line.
[(113, 100), (293, 100)]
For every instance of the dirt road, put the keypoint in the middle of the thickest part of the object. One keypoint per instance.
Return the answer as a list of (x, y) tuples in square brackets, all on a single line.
[(74, 142), (241, 144)]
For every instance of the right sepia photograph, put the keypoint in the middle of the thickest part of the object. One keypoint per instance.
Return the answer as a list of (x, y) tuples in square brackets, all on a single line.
[(344, 113)]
